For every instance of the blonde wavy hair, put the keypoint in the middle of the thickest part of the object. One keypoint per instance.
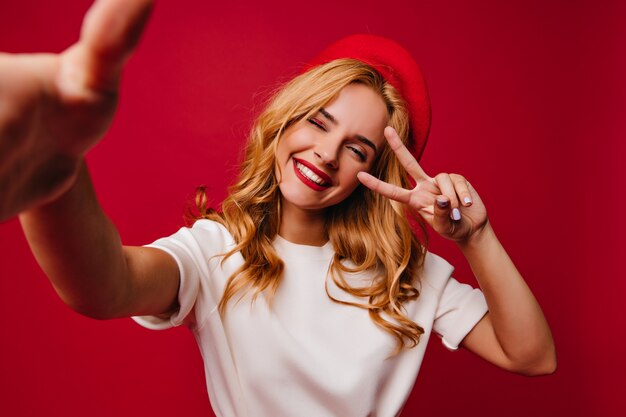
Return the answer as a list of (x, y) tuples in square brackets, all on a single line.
[(370, 231)]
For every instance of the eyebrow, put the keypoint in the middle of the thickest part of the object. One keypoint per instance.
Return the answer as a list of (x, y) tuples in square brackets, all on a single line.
[(361, 138)]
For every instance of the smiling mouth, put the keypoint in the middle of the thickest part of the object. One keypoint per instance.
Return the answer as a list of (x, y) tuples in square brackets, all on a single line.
[(311, 178)]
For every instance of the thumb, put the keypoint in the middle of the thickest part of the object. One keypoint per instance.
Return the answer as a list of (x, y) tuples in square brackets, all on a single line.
[(110, 32), (441, 219)]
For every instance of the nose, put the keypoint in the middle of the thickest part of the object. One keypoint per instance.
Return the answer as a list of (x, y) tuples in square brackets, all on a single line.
[(327, 159), (327, 151)]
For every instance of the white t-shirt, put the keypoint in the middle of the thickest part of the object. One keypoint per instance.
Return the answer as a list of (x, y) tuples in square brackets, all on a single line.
[(307, 355)]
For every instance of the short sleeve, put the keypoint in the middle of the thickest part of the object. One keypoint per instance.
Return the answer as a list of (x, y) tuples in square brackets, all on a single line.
[(460, 308), (196, 251)]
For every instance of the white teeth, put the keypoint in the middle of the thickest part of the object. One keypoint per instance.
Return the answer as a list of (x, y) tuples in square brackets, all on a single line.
[(310, 174)]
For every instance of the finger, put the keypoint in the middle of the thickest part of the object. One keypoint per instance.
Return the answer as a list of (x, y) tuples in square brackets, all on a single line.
[(462, 189), (112, 28), (447, 188), (441, 217), (390, 191), (405, 157), (110, 32)]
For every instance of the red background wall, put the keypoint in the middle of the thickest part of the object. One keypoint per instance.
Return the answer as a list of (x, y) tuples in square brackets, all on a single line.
[(527, 100)]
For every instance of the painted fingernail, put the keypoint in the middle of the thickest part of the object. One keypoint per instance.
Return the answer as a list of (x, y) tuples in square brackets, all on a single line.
[(442, 203), (467, 200), (456, 214)]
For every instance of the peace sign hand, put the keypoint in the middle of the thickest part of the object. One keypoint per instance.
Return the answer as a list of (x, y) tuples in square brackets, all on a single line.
[(437, 200)]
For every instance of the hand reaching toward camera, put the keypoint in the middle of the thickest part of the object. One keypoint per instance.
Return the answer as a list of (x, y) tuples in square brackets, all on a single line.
[(54, 108), (447, 202)]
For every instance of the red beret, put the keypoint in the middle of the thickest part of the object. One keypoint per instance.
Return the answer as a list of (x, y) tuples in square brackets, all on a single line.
[(398, 67)]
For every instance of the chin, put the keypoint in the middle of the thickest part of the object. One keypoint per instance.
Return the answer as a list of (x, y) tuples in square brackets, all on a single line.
[(301, 200)]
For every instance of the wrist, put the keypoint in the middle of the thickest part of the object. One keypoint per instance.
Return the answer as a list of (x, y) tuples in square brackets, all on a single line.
[(478, 239)]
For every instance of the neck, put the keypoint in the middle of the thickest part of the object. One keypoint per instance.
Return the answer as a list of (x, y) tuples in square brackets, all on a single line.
[(304, 227)]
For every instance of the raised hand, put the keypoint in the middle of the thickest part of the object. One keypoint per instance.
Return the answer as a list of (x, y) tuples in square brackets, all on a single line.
[(514, 333), (447, 202), (54, 108)]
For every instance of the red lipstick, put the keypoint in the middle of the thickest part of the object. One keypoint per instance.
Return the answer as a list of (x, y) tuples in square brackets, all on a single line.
[(312, 184)]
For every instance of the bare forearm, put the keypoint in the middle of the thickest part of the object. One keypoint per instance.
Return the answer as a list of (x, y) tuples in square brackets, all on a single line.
[(518, 322), (79, 249)]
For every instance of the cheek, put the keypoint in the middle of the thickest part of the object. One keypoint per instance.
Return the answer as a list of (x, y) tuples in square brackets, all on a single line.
[(350, 180), (282, 156), (293, 142), (281, 149), (374, 166)]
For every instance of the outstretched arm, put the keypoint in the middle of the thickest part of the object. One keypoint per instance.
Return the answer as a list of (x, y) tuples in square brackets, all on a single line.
[(514, 334), (53, 109), (80, 251)]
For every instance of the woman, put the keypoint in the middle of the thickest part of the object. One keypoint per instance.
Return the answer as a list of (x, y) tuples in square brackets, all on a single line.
[(299, 339)]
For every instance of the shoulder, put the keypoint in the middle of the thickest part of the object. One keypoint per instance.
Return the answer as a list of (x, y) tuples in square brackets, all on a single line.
[(204, 235), (211, 229), (437, 271)]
